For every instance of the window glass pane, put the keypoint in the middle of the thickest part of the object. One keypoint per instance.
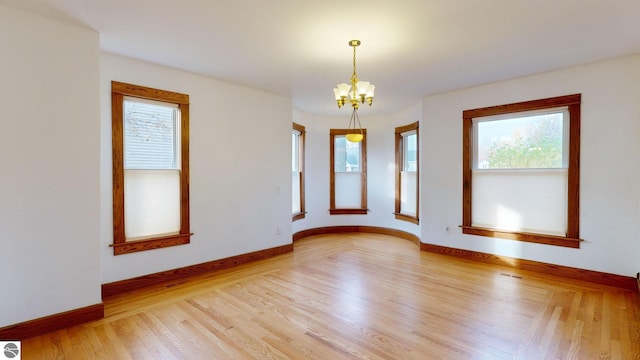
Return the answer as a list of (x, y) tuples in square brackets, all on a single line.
[(295, 151), (410, 141), (346, 155), (149, 135), (520, 143)]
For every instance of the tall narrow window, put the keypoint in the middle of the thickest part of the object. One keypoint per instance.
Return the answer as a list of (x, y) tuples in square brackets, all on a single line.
[(150, 168), (348, 174), (297, 172), (521, 174), (407, 174)]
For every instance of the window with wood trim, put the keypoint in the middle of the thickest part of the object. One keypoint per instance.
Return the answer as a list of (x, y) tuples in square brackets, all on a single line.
[(297, 172), (521, 172), (407, 173), (348, 174), (150, 140)]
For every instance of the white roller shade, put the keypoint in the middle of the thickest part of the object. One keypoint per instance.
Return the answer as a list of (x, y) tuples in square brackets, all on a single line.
[(348, 190), (295, 194), (152, 203), (520, 200), (408, 185)]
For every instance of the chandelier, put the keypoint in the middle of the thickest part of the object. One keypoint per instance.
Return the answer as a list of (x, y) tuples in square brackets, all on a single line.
[(357, 92)]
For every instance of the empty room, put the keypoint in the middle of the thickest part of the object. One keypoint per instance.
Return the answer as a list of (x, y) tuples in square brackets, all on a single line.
[(320, 180)]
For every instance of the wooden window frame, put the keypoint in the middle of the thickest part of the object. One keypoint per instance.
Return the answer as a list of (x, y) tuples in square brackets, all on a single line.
[(301, 129), (399, 141), (363, 176), (118, 92), (572, 238)]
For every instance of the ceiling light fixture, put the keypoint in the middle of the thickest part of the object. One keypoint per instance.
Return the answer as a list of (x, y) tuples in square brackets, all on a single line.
[(358, 92)]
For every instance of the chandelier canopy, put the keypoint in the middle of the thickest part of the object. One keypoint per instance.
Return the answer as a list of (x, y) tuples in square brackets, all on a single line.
[(356, 92)]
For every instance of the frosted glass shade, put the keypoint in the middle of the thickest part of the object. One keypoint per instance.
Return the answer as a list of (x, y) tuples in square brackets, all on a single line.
[(371, 89), (362, 87), (343, 90)]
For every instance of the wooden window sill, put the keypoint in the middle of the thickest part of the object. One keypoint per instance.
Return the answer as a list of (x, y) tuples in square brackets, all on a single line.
[(348, 211), (405, 217), (298, 216), (150, 244), (523, 236)]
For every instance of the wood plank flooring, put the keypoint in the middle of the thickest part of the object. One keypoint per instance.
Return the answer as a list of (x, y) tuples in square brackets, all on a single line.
[(358, 296)]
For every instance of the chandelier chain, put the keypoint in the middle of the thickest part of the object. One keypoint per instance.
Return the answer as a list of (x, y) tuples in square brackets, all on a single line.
[(354, 62), (354, 77)]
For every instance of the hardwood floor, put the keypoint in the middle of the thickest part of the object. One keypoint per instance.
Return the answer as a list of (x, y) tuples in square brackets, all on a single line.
[(358, 296)]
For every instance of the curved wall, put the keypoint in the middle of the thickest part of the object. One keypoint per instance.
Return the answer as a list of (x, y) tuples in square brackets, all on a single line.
[(380, 170), (610, 152)]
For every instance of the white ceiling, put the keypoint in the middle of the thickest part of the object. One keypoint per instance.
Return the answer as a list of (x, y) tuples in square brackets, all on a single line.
[(410, 48)]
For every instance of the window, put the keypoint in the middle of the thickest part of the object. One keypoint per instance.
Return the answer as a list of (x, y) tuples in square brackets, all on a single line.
[(297, 172), (348, 169), (521, 171), (407, 177), (150, 139)]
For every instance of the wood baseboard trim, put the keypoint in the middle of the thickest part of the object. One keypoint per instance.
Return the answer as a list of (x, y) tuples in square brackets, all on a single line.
[(53, 322), (119, 287), (540, 267), (365, 229)]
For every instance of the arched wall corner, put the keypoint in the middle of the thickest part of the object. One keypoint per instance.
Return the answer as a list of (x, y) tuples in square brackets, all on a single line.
[(380, 172), (356, 228)]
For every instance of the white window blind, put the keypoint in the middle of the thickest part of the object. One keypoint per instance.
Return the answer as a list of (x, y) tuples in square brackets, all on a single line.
[(152, 203), (348, 190), (526, 200), (408, 186), (151, 168), (295, 196)]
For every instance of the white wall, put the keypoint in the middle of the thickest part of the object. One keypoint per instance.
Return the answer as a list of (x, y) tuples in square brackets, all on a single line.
[(380, 169), (49, 149), (240, 160), (610, 165)]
